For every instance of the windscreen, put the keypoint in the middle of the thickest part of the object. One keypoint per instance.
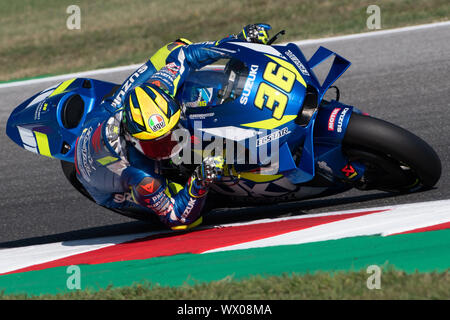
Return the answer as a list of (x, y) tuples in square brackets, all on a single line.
[(215, 85)]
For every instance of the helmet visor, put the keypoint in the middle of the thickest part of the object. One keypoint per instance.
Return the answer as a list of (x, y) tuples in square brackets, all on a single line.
[(159, 149)]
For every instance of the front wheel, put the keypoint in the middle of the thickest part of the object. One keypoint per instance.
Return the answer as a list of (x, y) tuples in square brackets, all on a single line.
[(396, 160)]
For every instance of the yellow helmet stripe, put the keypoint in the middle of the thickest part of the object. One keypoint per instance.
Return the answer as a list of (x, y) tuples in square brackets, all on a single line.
[(136, 113), (160, 101), (148, 107)]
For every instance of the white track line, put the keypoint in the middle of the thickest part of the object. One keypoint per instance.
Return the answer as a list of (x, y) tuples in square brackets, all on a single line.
[(399, 218), (69, 76), (301, 42), (375, 33), (22, 257)]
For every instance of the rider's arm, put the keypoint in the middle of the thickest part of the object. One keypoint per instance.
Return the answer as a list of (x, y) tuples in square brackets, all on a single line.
[(195, 56), (175, 205), (182, 60)]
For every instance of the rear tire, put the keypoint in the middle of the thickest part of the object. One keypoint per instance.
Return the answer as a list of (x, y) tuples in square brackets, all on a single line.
[(397, 160)]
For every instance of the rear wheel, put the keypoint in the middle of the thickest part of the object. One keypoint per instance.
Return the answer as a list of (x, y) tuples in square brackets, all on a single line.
[(396, 160)]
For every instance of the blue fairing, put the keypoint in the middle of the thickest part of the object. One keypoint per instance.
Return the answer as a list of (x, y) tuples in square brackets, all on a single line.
[(37, 124)]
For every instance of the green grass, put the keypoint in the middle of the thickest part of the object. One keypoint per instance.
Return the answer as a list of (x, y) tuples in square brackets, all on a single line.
[(339, 286), (34, 39)]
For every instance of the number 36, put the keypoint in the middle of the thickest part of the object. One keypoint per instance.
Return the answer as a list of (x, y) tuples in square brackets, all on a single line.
[(270, 97)]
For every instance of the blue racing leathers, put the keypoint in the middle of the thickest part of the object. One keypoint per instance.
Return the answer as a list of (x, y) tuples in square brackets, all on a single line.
[(117, 175)]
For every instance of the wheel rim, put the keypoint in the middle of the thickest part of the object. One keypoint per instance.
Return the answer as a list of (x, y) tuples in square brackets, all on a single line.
[(383, 172)]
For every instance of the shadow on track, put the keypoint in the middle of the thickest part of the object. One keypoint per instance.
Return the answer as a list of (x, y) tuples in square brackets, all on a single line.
[(214, 217), (286, 209)]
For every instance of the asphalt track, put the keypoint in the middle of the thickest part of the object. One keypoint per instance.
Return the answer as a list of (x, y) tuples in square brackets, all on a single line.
[(400, 77)]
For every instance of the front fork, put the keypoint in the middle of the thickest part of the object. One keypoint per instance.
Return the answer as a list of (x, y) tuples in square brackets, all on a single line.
[(329, 131)]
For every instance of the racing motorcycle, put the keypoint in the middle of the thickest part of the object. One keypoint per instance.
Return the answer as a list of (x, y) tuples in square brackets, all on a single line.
[(263, 97)]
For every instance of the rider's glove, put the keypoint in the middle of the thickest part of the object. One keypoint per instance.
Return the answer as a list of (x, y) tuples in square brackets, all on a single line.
[(257, 33), (210, 170)]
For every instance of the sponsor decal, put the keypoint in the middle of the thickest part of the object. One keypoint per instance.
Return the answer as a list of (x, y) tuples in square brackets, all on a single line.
[(127, 85), (164, 75), (42, 108), (122, 197), (156, 83), (156, 122), (249, 84), (161, 204), (148, 186), (332, 119), (188, 209), (85, 161), (190, 104), (157, 197), (205, 95), (173, 68), (349, 171), (165, 208), (201, 116), (168, 74), (273, 136), (341, 119), (297, 63)]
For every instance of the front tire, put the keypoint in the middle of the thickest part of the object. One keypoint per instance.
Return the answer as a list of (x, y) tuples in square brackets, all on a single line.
[(396, 159)]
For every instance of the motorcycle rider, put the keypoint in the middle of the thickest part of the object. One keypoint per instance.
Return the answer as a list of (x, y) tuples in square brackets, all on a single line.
[(117, 158)]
